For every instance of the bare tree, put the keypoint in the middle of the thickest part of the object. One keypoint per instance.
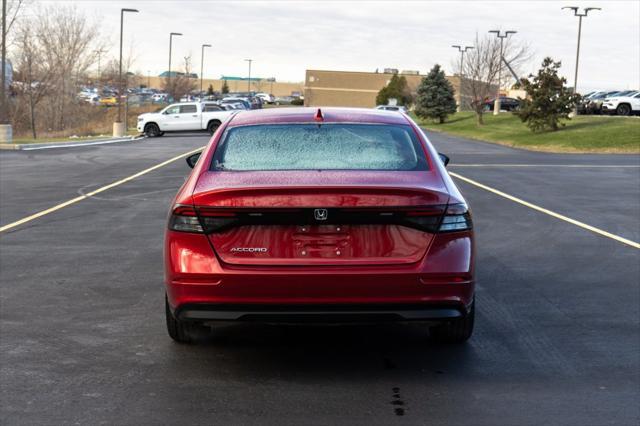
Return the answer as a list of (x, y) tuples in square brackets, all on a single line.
[(181, 83), (34, 75), (483, 64), (14, 9), (68, 41)]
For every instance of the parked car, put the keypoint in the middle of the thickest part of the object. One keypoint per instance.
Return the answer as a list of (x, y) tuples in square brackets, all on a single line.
[(584, 106), (160, 97), (181, 117), (233, 106), (109, 101), (626, 104), (266, 97), (256, 102), (283, 100), (246, 103), (397, 108), (594, 105), (506, 104), (341, 215)]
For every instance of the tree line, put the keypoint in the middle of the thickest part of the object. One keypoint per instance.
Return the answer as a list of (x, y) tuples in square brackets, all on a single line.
[(54, 51), (482, 71)]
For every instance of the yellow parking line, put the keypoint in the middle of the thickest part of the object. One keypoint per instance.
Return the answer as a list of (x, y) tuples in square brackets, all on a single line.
[(549, 212), (95, 192)]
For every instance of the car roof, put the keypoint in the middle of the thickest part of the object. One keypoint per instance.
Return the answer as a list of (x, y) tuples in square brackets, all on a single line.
[(307, 114)]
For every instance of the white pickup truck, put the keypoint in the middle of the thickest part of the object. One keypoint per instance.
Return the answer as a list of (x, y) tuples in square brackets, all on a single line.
[(183, 117)]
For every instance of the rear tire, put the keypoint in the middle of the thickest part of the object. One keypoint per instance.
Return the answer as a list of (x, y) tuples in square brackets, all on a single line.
[(180, 331), (152, 130), (455, 331), (213, 126), (623, 109)]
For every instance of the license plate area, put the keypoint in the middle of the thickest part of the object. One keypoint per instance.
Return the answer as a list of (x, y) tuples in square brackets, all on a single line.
[(322, 241)]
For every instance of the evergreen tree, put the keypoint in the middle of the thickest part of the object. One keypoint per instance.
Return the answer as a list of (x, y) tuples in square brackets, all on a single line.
[(435, 98), (548, 99), (396, 89), (210, 90), (225, 88)]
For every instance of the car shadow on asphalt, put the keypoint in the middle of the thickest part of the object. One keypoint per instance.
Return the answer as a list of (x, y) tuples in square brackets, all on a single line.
[(321, 351)]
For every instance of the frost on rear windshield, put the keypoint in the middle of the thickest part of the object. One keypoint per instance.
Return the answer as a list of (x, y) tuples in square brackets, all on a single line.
[(320, 147)]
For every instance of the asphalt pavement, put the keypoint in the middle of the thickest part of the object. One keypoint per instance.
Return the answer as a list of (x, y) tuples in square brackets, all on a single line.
[(83, 340)]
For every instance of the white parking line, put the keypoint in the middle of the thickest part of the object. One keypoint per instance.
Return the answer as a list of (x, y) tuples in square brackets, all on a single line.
[(577, 166), (548, 212), (78, 144), (95, 192)]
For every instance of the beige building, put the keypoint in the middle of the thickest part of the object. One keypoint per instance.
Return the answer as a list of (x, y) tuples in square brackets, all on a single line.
[(356, 89), (275, 88)]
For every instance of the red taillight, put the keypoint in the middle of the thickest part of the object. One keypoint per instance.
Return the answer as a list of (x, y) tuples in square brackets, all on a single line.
[(457, 218), (185, 219), (184, 211), (200, 219), (216, 220)]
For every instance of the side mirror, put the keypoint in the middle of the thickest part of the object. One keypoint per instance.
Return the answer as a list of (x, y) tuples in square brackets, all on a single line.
[(444, 159), (192, 160)]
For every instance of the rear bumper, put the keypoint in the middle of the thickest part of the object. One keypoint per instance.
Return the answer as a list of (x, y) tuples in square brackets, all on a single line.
[(320, 313), (201, 288)]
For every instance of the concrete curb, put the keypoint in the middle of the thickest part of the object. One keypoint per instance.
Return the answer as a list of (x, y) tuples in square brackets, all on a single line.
[(48, 145)]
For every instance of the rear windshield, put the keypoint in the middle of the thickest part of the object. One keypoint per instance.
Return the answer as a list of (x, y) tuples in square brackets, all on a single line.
[(320, 147)]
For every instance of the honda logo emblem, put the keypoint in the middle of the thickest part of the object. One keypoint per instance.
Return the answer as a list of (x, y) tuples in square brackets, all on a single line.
[(320, 214)]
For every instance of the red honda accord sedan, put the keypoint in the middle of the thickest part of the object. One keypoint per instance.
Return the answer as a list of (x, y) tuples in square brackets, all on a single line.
[(337, 215)]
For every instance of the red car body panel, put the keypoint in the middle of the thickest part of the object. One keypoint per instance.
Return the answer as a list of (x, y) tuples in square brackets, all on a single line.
[(319, 264)]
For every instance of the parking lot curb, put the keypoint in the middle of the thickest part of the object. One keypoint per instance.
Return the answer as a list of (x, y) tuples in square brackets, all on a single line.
[(46, 145)]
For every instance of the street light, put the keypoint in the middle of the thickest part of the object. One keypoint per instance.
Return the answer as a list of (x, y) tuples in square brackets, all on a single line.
[(462, 50), (249, 81), (121, 130), (99, 53), (584, 13), (496, 103), (202, 64), (170, 43)]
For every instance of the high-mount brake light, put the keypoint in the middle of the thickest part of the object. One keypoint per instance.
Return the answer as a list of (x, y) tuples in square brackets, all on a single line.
[(456, 218)]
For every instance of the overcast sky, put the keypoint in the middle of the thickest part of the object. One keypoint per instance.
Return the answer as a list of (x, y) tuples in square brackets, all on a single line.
[(286, 37)]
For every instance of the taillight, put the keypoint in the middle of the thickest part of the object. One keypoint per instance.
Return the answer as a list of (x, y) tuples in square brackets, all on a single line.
[(456, 218), (200, 220), (425, 219), (184, 219), (213, 220)]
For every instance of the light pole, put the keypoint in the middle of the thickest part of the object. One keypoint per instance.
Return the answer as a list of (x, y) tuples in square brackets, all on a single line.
[(249, 80), (462, 50), (170, 43), (584, 13), (99, 53), (501, 36), (202, 64), (148, 79), (118, 128)]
